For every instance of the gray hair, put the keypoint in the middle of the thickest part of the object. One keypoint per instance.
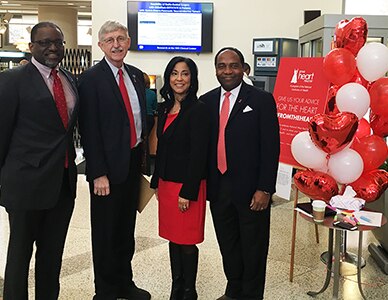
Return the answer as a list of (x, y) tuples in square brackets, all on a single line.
[(110, 26)]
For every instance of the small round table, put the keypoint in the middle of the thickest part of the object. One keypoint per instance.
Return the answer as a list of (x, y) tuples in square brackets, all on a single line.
[(339, 233)]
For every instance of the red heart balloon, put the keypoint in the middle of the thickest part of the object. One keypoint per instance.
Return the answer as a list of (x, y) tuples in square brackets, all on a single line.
[(331, 107), (370, 186), (379, 124), (373, 151), (316, 185), (332, 133), (351, 34)]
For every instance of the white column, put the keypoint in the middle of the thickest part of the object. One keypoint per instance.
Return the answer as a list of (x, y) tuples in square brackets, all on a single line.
[(65, 18)]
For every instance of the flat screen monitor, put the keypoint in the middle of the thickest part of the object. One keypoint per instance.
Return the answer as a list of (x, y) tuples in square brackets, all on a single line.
[(170, 26)]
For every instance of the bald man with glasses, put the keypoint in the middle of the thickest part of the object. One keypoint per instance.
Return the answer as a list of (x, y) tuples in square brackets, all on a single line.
[(38, 112)]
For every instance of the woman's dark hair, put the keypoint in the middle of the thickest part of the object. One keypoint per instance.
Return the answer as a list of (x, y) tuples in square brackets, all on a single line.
[(166, 90)]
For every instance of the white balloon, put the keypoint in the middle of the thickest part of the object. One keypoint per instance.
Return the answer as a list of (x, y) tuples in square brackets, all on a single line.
[(324, 169), (372, 61), (353, 97), (306, 153), (346, 166)]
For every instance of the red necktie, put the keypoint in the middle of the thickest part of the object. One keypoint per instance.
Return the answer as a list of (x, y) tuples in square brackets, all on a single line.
[(221, 151), (127, 103), (60, 102)]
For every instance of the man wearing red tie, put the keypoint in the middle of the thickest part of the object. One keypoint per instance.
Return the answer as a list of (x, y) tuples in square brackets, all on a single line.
[(112, 124), (243, 161), (38, 111)]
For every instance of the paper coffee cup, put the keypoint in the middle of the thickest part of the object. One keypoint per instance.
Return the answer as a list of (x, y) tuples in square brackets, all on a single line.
[(318, 210)]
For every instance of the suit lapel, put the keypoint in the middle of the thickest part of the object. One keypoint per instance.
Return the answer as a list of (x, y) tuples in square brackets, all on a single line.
[(40, 87), (42, 92), (240, 102), (161, 122), (135, 82), (215, 98), (113, 83), (140, 91), (171, 128), (73, 116)]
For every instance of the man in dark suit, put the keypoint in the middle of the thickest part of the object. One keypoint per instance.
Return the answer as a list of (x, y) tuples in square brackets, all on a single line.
[(243, 161), (113, 132), (38, 110)]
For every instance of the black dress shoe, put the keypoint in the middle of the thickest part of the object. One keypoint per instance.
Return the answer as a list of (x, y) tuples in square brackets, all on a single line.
[(224, 297), (136, 293)]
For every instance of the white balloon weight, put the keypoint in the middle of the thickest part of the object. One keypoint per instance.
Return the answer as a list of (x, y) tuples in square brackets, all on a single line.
[(353, 97), (306, 153), (372, 61), (346, 166)]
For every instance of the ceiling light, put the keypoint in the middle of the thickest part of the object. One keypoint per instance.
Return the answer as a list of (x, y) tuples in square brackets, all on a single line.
[(11, 54), (7, 17)]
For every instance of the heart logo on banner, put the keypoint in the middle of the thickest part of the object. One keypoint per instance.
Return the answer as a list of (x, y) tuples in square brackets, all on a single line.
[(371, 185), (332, 133), (316, 185), (351, 34)]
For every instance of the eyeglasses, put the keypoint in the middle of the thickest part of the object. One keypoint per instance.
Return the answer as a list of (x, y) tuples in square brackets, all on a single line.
[(120, 39), (48, 43)]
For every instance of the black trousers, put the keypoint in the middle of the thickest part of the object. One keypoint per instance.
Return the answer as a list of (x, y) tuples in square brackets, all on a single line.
[(243, 237), (48, 229), (113, 219)]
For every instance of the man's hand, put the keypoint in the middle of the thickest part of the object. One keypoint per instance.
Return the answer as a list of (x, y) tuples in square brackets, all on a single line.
[(260, 201), (101, 186)]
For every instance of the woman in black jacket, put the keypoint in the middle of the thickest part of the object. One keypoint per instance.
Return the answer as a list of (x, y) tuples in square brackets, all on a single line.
[(179, 176)]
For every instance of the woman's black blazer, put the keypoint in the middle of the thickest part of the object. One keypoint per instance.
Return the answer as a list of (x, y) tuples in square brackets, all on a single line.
[(182, 149)]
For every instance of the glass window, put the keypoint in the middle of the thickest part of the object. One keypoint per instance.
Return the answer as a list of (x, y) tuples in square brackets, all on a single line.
[(370, 7), (20, 28), (305, 50), (317, 48), (371, 39), (84, 32)]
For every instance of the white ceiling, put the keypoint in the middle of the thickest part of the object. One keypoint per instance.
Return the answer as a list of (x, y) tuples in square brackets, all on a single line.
[(31, 6)]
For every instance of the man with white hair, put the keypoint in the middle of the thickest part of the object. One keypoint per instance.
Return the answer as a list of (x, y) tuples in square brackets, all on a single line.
[(113, 132)]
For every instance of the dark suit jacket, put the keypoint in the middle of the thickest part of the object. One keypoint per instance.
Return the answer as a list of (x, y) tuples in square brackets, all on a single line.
[(104, 123), (252, 143), (33, 141), (182, 149)]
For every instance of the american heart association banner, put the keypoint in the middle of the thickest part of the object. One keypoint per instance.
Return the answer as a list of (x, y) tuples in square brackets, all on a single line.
[(301, 92)]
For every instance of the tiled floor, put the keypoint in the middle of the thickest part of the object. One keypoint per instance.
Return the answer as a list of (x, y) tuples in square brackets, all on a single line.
[(151, 264)]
